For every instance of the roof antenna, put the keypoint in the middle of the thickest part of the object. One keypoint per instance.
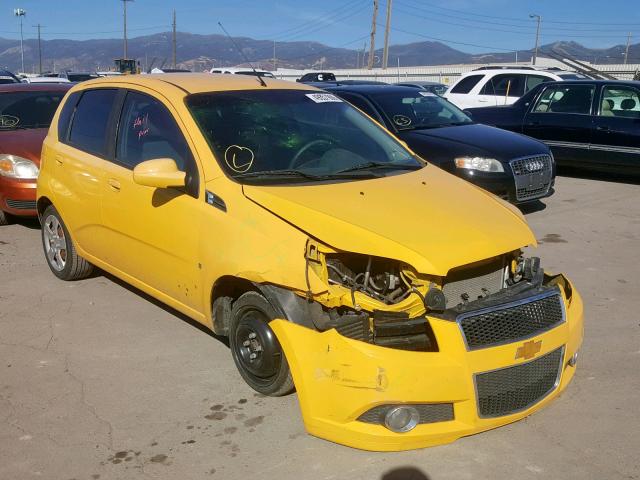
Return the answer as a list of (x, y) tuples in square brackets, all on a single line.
[(260, 79)]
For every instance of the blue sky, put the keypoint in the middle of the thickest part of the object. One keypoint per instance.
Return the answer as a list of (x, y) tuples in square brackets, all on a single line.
[(468, 25)]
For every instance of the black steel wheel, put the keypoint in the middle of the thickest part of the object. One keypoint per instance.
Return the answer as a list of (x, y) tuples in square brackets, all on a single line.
[(255, 348)]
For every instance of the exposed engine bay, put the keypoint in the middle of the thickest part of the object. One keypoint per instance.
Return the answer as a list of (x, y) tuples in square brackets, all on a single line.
[(386, 302)]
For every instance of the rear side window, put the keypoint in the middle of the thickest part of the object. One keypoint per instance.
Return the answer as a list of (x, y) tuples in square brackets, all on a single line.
[(533, 80), (466, 84), (65, 116), (91, 121), (362, 104), (147, 131), (505, 85)]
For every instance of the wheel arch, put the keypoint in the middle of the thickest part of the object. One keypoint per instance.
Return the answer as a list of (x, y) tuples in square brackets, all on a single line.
[(42, 204)]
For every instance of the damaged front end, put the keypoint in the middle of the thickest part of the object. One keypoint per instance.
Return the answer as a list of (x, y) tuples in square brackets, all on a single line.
[(387, 358)]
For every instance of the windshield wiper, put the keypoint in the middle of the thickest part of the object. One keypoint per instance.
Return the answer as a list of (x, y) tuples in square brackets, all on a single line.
[(300, 174), (379, 165)]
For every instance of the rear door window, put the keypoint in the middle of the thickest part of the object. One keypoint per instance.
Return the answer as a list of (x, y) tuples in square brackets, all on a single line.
[(466, 84), (620, 101), (505, 85), (91, 121)]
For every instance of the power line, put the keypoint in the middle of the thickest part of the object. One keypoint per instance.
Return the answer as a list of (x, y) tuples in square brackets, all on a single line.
[(329, 17), (435, 19), (512, 19), (446, 41)]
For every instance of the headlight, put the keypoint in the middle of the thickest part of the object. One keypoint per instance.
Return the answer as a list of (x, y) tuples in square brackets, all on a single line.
[(13, 166), (479, 163)]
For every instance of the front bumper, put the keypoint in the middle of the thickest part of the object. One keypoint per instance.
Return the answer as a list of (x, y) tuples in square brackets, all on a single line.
[(338, 379), (502, 185), (18, 197)]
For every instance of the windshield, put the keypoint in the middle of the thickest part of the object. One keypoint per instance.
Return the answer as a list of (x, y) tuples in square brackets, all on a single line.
[(24, 110), (415, 109), (270, 133)]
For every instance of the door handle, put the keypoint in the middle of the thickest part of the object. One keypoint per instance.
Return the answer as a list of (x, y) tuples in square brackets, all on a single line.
[(603, 128), (59, 160), (482, 101), (114, 184), (534, 123)]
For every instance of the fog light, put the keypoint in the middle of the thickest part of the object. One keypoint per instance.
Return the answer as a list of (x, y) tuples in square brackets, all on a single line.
[(401, 419), (573, 360)]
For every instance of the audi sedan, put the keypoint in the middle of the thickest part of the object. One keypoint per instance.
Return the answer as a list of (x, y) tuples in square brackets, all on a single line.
[(514, 167)]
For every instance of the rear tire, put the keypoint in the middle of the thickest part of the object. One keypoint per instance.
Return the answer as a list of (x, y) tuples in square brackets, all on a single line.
[(59, 250), (255, 348)]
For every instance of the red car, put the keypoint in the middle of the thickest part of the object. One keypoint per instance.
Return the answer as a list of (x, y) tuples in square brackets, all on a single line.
[(26, 111)]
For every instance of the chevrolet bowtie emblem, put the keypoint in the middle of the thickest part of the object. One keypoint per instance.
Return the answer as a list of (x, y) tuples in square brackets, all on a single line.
[(528, 349)]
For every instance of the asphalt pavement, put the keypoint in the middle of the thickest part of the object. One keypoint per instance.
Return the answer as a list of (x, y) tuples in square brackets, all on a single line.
[(98, 381)]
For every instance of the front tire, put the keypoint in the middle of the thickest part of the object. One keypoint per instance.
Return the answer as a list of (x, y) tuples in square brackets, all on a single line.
[(5, 219), (59, 250), (255, 348)]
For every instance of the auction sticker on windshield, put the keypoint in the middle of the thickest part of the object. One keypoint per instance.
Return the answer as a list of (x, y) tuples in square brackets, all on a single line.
[(323, 98)]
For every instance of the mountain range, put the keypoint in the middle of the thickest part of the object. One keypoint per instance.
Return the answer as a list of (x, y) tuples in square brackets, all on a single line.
[(198, 52)]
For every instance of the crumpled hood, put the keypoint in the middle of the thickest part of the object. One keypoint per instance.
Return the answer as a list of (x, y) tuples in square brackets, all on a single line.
[(427, 218), (24, 143)]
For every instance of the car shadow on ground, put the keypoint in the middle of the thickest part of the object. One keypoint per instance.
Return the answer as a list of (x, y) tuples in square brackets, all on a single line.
[(404, 473), (574, 172), (163, 306), (532, 207), (27, 222)]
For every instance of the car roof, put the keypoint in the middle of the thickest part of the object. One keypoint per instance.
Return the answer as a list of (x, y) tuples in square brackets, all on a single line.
[(524, 71), (634, 83), (35, 87), (421, 83), (191, 83), (371, 89)]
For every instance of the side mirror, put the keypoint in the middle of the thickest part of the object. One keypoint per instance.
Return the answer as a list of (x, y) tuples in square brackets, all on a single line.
[(159, 173)]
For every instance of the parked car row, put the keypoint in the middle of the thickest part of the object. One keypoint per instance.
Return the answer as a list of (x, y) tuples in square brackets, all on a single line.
[(512, 166), (26, 112), (394, 297), (586, 123)]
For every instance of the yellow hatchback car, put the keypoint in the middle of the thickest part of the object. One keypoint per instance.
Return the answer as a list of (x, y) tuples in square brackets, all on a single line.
[(392, 295)]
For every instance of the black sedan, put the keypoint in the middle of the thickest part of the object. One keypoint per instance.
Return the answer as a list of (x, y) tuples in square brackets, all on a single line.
[(514, 167), (587, 123)]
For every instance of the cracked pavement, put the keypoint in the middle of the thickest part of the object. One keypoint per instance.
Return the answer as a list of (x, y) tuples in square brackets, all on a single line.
[(98, 381)]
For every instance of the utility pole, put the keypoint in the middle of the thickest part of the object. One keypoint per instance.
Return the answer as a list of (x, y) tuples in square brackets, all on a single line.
[(175, 40), (385, 54), (626, 50), (535, 52), (20, 13), (124, 4), (38, 26), (372, 46)]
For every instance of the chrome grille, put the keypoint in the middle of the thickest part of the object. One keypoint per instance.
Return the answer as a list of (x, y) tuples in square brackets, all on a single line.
[(21, 204), (471, 283), (512, 321), (429, 413), (512, 389), (532, 176)]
